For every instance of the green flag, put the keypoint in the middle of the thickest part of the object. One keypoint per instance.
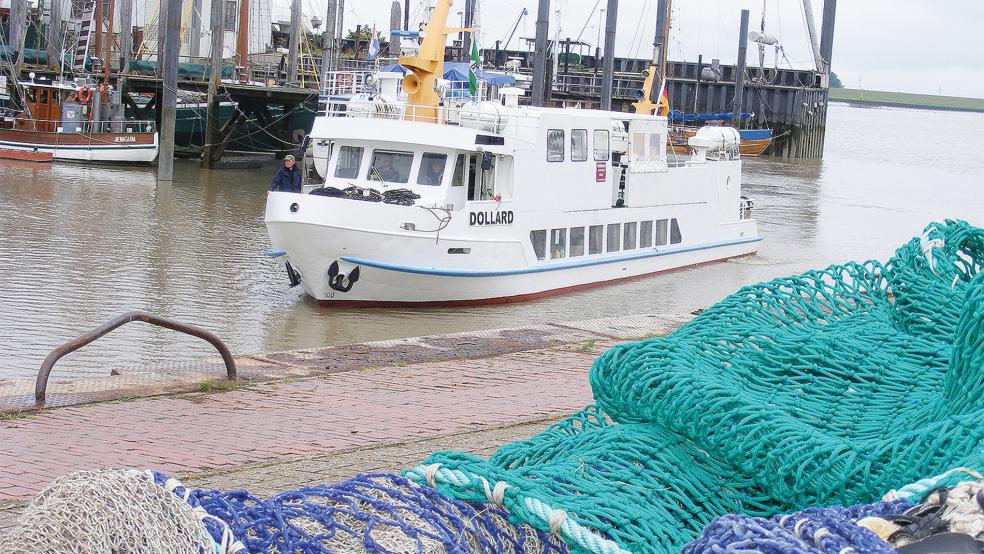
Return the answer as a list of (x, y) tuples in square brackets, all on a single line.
[(473, 67)]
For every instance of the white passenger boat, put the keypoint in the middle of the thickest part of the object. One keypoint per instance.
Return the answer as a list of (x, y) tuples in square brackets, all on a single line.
[(431, 202)]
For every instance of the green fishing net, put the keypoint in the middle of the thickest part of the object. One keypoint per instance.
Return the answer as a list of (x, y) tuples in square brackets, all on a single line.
[(830, 387)]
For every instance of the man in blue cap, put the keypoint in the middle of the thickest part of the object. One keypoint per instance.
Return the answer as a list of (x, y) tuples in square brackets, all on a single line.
[(288, 177)]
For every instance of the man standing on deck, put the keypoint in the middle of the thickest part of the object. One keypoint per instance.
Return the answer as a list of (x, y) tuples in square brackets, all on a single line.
[(288, 177)]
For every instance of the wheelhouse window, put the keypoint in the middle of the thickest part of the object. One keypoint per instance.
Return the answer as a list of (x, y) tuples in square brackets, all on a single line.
[(432, 169), (661, 232), (577, 242), (629, 236), (614, 236), (458, 179), (555, 145), (539, 240), (558, 243), (349, 162), (596, 239), (579, 145), (675, 236), (602, 146), (645, 234), (389, 166)]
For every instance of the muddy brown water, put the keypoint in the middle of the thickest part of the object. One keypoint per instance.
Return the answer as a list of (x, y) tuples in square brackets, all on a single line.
[(80, 245)]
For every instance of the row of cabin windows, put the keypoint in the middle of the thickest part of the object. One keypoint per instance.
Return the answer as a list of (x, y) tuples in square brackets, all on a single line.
[(556, 145), (614, 237), (393, 166)]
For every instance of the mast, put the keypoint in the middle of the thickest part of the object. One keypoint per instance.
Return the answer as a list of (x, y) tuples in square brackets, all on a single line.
[(812, 30), (242, 37), (98, 21), (109, 49)]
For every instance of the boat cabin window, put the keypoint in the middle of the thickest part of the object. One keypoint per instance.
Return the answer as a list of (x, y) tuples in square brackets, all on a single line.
[(645, 234), (432, 169), (539, 240), (558, 243), (555, 145), (675, 236), (43, 97), (390, 167), (596, 239), (30, 94), (629, 236), (349, 162), (639, 146), (458, 179), (602, 146), (614, 236), (661, 232), (577, 241), (579, 145)]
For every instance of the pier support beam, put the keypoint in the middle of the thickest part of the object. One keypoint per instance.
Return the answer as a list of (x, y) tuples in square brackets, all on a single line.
[(608, 72), (217, 22), (740, 69), (195, 40), (295, 40), (540, 81), (328, 40), (169, 59)]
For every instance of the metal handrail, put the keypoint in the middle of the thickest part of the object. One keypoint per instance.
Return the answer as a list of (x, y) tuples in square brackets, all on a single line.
[(41, 386)]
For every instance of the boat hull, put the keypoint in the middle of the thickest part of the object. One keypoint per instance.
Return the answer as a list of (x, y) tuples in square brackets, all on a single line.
[(78, 147), (388, 268)]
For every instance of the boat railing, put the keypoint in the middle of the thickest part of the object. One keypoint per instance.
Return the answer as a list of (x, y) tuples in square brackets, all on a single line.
[(85, 127)]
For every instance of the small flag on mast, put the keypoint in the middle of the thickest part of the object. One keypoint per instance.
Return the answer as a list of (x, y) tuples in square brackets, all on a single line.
[(474, 67)]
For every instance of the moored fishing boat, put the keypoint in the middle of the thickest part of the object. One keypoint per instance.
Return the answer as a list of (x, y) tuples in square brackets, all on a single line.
[(67, 120), (441, 201)]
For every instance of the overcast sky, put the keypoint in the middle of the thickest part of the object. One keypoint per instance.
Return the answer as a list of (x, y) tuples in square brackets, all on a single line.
[(902, 45)]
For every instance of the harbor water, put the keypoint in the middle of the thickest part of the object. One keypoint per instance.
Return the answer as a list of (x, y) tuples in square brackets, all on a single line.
[(80, 245)]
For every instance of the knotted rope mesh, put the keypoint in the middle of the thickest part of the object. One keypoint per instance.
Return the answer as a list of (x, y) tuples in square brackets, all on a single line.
[(833, 386), (107, 511)]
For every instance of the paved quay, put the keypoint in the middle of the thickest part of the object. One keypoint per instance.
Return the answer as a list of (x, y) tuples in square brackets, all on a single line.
[(309, 416)]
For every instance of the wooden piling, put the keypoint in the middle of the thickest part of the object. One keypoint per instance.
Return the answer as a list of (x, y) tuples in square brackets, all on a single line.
[(740, 75), (540, 83), (217, 23), (608, 71), (169, 63)]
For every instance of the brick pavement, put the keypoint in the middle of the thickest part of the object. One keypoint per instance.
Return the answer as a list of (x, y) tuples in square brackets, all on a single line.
[(285, 433)]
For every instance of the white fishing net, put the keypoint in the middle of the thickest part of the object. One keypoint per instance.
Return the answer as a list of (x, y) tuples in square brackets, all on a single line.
[(107, 512)]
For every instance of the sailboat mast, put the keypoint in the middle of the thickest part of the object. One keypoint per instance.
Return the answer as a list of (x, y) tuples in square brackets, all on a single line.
[(242, 37), (109, 46)]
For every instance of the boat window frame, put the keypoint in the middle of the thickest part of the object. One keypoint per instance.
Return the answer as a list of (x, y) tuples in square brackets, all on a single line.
[(540, 234), (646, 229), (552, 142), (676, 236), (661, 236), (617, 228), (584, 145), (558, 243), (421, 166), (379, 178), (608, 145), (579, 244), (626, 235), (596, 240), (458, 179), (357, 168)]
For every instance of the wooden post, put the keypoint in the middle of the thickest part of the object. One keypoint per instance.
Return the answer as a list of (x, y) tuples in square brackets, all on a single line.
[(126, 35), (109, 49), (295, 39), (395, 20), (217, 22), (468, 36), (98, 18), (169, 59), (540, 56), (161, 27), (328, 41), (740, 68), (608, 72), (18, 26), (339, 34), (827, 31)]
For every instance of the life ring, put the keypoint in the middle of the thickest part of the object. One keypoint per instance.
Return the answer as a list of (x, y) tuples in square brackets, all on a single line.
[(85, 94)]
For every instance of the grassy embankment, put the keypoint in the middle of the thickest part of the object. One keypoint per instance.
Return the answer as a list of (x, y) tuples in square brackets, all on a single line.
[(906, 100)]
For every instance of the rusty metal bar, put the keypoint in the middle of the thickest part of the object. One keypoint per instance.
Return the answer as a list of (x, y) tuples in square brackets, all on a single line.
[(41, 385)]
